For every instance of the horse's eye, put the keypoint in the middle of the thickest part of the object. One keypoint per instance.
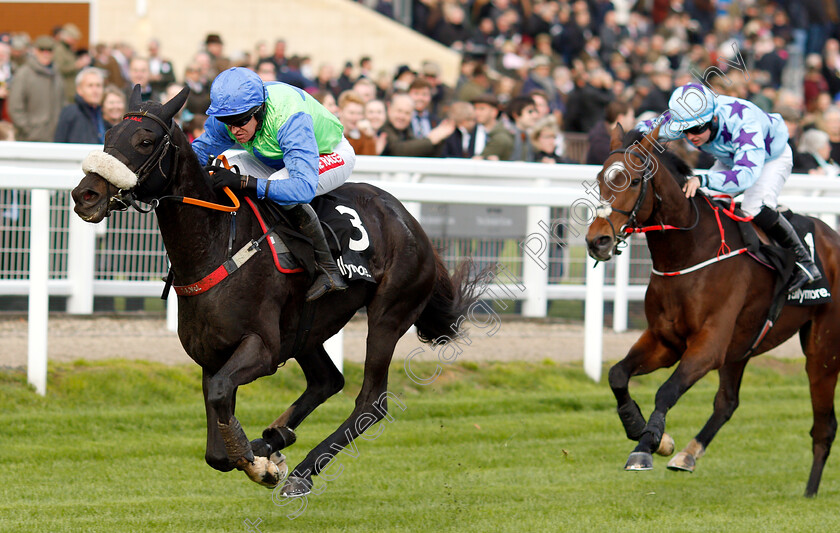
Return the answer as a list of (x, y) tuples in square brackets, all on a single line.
[(636, 182), (146, 142)]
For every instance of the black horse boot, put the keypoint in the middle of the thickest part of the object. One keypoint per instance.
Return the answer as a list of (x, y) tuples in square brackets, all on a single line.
[(781, 230), (329, 279)]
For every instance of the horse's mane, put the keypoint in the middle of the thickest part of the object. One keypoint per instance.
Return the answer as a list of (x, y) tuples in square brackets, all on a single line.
[(678, 168)]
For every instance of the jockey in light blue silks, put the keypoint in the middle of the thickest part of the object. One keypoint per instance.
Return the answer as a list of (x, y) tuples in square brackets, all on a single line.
[(752, 157), (294, 150)]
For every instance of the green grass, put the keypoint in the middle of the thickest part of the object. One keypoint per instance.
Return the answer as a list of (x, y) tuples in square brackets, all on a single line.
[(119, 446)]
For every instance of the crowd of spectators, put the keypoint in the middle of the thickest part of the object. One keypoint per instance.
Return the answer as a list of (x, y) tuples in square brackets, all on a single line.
[(540, 80)]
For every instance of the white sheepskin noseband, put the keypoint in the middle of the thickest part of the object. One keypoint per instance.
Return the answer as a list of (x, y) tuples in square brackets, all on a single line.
[(110, 168)]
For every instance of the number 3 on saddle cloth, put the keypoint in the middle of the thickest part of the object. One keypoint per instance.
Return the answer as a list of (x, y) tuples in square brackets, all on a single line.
[(346, 234)]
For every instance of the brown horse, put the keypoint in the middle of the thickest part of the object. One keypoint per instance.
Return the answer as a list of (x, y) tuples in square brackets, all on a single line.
[(709, 318), (247, 325)]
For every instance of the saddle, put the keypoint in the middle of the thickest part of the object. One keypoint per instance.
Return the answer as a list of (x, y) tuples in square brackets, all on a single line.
[(782, 260), (345, 232)]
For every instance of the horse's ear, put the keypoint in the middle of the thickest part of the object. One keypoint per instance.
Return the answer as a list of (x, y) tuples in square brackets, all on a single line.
[(135, 100), (617, 137), (650, 138), (171, 108)]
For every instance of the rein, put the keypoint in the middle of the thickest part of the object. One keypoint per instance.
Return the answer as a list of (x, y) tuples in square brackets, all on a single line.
[(125, 198), (724, 251)]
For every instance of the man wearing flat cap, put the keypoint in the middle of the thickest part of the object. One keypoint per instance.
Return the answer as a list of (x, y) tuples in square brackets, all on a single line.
[(36, 94), (493, 141), (215, 48), (66, 61)]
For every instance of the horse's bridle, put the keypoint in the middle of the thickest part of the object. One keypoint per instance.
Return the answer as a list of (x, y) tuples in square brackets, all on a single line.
[(151, 177), (630, 227), (605, 209)]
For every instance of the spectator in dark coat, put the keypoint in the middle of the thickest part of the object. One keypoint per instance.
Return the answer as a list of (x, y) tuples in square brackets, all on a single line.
[(451, 30), (545, 138), (618, 112), (292, 74), (81, 121), (523, 114), (462, 141), (161, 72), (587, 101), (401, 141)]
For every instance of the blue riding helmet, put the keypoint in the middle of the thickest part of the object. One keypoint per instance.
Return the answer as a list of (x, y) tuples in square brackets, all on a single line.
[(235, 91), (690, 106)]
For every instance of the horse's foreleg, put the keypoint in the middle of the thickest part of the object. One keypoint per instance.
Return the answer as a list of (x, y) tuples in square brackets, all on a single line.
[(695, 364), (646, 355), (249, 361), (323, 380), (822, 377), (726, 401)]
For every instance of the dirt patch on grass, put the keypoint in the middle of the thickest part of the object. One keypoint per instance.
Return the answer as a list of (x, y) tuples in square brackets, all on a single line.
[(146, 337)]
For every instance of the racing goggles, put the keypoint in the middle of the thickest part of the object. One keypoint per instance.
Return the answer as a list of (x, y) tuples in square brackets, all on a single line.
[(239, 121), (697, 130)]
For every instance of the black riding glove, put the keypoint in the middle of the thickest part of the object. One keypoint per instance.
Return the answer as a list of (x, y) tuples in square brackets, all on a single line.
[(230, 177)]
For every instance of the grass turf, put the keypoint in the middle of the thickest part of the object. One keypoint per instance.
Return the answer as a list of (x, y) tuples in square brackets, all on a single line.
[(119, 446)]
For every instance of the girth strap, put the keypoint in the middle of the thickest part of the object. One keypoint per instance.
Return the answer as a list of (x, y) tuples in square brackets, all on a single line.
[(225, 269)]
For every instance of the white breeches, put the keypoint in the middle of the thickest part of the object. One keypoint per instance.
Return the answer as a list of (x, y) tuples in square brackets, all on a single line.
[(333, 169), (766, 190)]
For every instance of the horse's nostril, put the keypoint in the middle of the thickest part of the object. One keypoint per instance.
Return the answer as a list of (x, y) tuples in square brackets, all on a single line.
[(603, 241), (87, 196)]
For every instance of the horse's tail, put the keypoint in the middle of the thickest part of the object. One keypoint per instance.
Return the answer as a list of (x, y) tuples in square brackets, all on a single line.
[(451, 298)]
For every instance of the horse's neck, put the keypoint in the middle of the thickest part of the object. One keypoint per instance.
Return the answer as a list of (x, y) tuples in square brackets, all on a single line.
[(677, 249), (195, 237)]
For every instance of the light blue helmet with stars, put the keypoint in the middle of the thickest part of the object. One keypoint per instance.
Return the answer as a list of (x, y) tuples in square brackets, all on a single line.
[(690, 106)]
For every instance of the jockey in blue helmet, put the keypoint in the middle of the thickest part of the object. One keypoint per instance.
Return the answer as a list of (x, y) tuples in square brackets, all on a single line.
[(753, 158), (294, 150)]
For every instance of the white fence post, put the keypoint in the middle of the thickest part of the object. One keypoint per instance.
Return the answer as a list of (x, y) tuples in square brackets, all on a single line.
[(593, 319), (39, 261), (335, 348), (535, 250), (622, 281), (81, 268), (172, 311)]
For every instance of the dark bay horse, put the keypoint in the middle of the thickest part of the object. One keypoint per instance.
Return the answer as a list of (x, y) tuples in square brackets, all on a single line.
[(247, 325), (709, 318)]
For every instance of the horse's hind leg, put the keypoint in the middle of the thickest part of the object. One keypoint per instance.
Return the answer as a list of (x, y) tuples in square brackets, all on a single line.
[(726, 401), (822, 366), (322, 381), (387, 322), (646, 355), (249, 361)]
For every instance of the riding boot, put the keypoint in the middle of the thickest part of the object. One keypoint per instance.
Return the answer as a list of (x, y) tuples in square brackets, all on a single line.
[(329, 278), (783, 233)]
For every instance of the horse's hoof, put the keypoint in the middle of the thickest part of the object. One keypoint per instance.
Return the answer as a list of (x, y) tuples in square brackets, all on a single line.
[(266, 473), (260, 448), (639, 461), (666, 446), (682, 462), (296, 487), (280, 460)]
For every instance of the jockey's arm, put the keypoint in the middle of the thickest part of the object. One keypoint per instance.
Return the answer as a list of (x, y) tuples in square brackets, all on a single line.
[(296, 138), (749, 162), (666, 133), (212, 142)]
